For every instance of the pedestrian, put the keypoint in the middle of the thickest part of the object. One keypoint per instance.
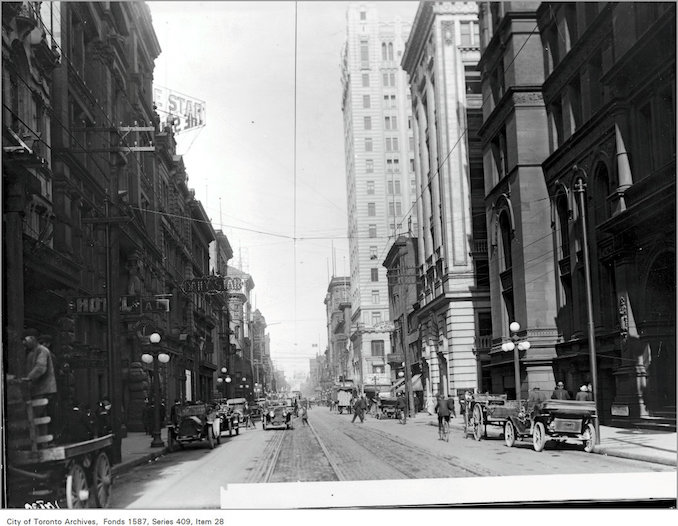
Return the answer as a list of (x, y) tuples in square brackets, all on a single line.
[(359, 407), (304, 416), (560, 393), (401, 406), (589, 388), (443, 410), (583, 394), (40, 367), (535, 400), (146, 416)]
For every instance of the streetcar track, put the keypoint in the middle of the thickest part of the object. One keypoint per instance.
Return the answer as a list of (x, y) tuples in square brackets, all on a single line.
[(272, 459), (335, 467)]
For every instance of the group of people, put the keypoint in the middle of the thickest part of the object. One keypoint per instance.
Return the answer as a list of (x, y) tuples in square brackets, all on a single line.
[(585, 393)]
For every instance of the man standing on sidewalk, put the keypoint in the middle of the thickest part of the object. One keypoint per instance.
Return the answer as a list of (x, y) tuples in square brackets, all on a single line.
[(359, 407)]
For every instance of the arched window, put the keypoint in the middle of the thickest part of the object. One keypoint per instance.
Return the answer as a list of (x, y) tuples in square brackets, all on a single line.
[(562, 211), (384, 55), (390, 50), (505, 230), (600, 191)]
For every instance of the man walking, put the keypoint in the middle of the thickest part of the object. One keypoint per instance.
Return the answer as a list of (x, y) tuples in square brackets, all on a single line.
[(40, 367), (359, 407), (401, 407)]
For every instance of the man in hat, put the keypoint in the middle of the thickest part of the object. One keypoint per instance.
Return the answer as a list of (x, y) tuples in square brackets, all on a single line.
[(559, 393)]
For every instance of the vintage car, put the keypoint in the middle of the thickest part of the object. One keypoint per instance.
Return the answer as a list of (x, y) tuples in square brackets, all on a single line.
[(193, 422), (238, 406), (277, 415), (554, 420), (230, 419)]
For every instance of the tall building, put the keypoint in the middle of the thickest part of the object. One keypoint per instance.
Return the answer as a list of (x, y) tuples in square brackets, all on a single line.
[(338, 314), (379, 173), (515, 143), (453, 307)]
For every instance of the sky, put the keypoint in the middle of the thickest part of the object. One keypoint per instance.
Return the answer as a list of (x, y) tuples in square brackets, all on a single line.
[(268, 166)]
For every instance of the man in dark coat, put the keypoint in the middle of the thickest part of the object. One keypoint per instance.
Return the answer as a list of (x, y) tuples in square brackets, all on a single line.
[(559, 393), (359, 407)]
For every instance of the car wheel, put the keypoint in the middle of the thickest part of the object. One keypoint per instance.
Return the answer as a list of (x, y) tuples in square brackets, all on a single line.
[(538, 437), (509, 434), (589, 437)]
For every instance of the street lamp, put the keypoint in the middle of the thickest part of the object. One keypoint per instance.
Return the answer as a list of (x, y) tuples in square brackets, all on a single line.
[(224, 379), (516, 345), (154, 357)]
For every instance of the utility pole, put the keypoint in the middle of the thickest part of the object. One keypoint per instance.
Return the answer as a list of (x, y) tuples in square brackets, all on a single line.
[(580, 189)]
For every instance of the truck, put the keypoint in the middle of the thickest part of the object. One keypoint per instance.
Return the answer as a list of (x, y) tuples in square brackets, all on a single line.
[(344, 394)]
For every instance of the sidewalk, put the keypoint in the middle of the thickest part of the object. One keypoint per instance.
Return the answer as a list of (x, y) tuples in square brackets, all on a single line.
[(660, 447)]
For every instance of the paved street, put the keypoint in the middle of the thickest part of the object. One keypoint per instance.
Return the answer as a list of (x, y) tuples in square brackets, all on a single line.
[(334, 449)]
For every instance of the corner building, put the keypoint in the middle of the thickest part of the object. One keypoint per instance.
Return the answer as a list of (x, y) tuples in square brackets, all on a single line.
[(453, 308)]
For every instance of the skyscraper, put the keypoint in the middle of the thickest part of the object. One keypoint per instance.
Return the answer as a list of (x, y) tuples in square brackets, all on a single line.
[(379, 174)]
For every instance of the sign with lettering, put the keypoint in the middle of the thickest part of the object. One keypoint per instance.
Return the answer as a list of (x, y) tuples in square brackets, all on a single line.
[(212, 284), (184, 113), (92, 305), (620, 410)]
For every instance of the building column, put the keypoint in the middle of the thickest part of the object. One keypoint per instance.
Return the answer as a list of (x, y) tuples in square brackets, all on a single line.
[(621, 132)]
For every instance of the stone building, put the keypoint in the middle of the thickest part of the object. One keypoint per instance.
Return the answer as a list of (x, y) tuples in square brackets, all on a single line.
[(338, 315), (453, 304)]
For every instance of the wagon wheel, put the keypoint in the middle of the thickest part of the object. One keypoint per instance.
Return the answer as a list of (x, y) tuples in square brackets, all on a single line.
[(589, 437), (77, 491), (538, 437), (101, 480), (509, 433), (477, 422)]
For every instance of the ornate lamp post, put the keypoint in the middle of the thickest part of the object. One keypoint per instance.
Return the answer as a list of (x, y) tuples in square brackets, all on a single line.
[(516, 345), (154, 357), (223, 380)]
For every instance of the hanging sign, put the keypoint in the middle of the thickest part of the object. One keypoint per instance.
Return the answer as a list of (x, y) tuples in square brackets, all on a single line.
[(182, 112)]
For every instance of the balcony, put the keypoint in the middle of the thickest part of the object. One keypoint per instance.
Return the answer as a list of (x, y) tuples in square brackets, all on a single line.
[(483, 343), (478, 247)]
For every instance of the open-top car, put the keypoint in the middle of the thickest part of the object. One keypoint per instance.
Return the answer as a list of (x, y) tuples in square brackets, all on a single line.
[(277, 415), (193, 422)]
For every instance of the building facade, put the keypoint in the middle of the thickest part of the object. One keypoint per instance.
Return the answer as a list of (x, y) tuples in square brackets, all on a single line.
[(514, 144), (338, 315), (379, 172), (610, 95), (453, 302)]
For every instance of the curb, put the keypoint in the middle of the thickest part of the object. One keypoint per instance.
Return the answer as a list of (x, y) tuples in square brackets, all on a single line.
[(124, 467), (631, 455)]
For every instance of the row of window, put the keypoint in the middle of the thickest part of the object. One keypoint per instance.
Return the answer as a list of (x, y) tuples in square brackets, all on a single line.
[(390, 122), (389, 101), (392, 166)]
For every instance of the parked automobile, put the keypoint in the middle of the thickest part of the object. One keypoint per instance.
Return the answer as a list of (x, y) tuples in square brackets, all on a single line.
[(277, 415), (194, 422)]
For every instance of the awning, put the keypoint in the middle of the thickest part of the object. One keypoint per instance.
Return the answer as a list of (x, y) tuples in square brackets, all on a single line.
[(416, 383)]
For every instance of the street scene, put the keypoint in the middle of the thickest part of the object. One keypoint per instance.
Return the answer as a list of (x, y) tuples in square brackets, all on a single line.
[(301, 254)]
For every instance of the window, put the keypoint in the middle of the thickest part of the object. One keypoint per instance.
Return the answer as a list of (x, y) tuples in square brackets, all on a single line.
[(390, 51), (396, 169), (377, 347), (375, 296), (377, 369), (395, 144), (364, 52), (385, 79), (366, 101), (391, 77), (371, 209), (368, 144), (470, 34), (373, 252), (394, 123), (374, 274), (389, 187), (376, 318), (389, 144), (387, 123), (363, 15), (373, 230), (367, 122), (370, 187), (366, 80), (389, 167), (384, 52), (411, 165), (398, 208), (505, 228), (369, 168), (391, 209)]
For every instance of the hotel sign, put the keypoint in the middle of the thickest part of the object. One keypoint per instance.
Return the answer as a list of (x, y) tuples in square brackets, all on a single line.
[(93, 305), (214, 284)]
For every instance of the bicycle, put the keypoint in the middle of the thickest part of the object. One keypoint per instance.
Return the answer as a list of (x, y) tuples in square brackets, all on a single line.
[(444, 430)]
